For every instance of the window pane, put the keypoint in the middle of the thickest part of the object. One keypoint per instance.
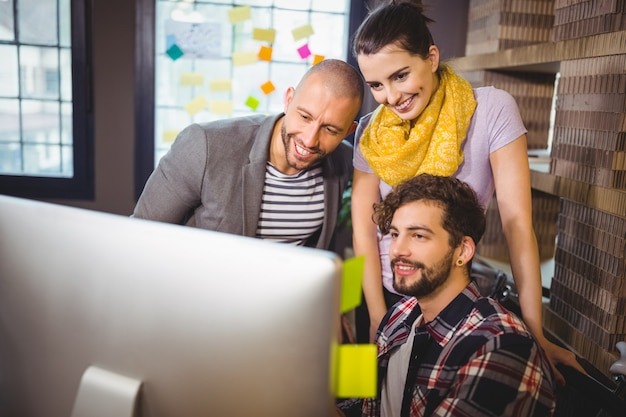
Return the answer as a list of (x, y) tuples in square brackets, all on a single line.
[(41, 159), (67, 128), (9, 79), (40, 122), (39, 72), (192, 86), (38, 21), (65, 27), (7, 25), (10, 158), (293, 5), (9, 121), (66, 74)]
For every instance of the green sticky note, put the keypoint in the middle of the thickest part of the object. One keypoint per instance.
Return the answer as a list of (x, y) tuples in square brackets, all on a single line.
[(355, 371), (351, 283), (174, 52), (252, 102)]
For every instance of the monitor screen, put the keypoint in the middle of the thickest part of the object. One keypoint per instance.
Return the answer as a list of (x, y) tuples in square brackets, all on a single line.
[(210, 324)]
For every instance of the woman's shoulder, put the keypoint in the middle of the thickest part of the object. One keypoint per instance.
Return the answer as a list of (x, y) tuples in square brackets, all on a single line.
[(491, 94)]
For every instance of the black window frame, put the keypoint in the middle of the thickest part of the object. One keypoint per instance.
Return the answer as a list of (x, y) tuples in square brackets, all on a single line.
[(81, 184)]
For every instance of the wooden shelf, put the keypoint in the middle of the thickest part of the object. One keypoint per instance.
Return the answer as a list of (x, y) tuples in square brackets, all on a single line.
[(544, 57), (610, 200)]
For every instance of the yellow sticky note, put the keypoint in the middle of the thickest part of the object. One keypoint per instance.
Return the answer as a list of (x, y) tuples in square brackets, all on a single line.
[(265, 53), (318, 58), (244, 58), (265, 35), (218, 85), (221, 107), (195, 105), (352, 283), (356, 371), (302, 32), (267, 87), (239, 14), (191, 78), (169, 135)]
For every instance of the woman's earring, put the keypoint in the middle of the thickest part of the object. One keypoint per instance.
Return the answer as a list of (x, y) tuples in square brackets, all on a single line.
[(459, 262)]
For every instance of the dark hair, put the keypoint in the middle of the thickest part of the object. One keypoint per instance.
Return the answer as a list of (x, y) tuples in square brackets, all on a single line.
[(400, 22), (462, 213)]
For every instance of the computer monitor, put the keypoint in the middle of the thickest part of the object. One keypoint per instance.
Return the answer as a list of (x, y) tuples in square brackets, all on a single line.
[(210, 324)]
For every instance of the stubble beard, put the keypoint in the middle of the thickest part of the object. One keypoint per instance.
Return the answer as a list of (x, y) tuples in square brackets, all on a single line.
[(292, 160), (431, 280)]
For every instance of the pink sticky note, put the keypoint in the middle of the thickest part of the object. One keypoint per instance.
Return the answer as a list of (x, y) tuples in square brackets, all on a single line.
[(304, 51)]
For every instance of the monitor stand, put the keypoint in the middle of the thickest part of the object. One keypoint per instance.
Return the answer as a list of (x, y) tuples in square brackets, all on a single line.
[(105, 394)]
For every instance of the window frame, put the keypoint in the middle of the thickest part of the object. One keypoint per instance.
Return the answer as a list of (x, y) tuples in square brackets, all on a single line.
[(81, 184), (145, 83)]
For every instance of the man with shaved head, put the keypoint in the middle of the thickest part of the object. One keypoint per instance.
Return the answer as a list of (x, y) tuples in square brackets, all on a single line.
[(277, 177)]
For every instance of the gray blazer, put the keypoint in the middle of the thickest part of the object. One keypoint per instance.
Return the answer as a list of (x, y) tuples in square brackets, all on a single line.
[(213, 177)]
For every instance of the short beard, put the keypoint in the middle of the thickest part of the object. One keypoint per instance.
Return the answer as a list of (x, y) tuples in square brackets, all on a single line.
[(289, 152), (431, 280)]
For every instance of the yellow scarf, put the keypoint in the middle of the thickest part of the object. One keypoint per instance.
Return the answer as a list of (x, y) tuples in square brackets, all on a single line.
[(397, 152)]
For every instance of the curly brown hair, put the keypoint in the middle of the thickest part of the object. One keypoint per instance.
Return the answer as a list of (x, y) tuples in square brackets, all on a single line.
[(462, 213)]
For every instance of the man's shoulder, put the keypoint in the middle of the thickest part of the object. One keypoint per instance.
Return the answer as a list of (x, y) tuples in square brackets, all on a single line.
[(236, 125), (489, 322)]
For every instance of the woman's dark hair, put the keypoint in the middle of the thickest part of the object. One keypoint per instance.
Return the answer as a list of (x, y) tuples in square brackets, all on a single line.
[(462, 213), (400, 22)]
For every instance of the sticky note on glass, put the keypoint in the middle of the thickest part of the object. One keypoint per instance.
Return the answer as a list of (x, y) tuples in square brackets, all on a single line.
[(239, 14), (252, 102), (244, 58), (317, 59), (267, 87), (191, 78), (265, 53), (265, 35), (302, 32), (304, 51), (355, 371), (174, 52), (220, 85), (195, 105), (169, 135), (352, 283), (221, 107)]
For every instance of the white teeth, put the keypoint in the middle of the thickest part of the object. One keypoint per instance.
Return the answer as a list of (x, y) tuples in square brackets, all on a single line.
[(405, 268), (404, 104), (302, 151)]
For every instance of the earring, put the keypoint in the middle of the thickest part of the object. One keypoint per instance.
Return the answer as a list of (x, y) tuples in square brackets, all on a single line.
[(459, 262)]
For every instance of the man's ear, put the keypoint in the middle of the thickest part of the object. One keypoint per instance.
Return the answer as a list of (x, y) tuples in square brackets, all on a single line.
[(352, 128), (288, 97), (467, 249)]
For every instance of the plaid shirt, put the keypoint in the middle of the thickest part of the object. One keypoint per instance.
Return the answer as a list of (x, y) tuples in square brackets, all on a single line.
[(474, 359)]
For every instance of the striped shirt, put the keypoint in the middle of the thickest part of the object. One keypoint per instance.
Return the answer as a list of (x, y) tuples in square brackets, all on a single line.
[(474, 359), (292, 209)]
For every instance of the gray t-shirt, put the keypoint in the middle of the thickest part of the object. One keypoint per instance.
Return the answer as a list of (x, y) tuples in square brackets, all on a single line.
[(496, 122)]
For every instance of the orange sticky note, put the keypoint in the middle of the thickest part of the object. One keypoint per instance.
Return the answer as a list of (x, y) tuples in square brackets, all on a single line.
[(267, 87), (265, 53), (265, 35), (317, 59)]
